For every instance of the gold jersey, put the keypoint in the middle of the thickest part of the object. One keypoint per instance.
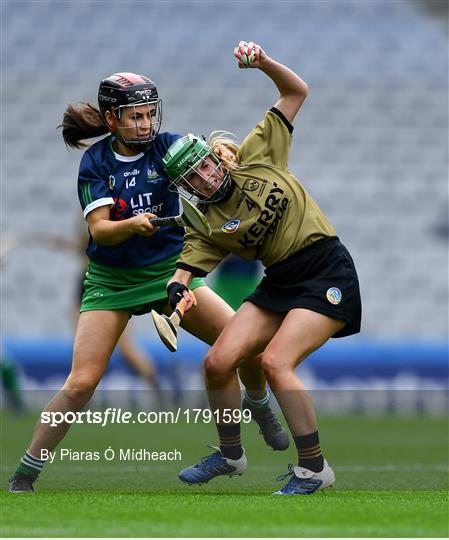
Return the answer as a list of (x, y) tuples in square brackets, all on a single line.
[(269, 215)]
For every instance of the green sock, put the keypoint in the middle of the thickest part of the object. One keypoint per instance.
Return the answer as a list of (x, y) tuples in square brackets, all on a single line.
[(30, 465), (260, 405), (23, 469)]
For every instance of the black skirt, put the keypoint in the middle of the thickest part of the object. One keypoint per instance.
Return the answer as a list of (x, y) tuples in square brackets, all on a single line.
[(320, 277)]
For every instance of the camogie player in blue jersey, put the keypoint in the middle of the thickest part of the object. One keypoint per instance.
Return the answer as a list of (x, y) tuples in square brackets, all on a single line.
[(121, 186)]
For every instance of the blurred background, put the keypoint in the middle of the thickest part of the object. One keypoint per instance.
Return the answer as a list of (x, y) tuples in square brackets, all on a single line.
[(370, 144)]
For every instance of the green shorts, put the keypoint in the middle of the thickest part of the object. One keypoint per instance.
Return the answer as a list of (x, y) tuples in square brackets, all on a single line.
[(136, 290), (234, 288)]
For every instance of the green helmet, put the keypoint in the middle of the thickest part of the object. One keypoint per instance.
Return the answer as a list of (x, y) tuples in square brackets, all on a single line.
[(180, 161)]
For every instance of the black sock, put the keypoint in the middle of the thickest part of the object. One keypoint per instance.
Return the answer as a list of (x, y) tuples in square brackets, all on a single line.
[(230, 444), (309, 452)]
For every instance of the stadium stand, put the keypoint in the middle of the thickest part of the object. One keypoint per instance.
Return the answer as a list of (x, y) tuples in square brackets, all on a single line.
[(370, 144)]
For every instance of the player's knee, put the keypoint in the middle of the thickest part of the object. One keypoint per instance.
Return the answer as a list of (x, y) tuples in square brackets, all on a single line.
[(273, 366), (216, 364), (80, 388)]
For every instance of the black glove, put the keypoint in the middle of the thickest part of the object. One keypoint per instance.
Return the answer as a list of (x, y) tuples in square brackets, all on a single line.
[(174, 292)]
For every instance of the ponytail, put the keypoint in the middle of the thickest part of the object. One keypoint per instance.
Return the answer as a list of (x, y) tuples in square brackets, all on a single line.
[(82, 121)]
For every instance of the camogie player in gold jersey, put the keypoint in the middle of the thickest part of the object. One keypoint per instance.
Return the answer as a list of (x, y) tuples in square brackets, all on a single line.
[(257, 209)]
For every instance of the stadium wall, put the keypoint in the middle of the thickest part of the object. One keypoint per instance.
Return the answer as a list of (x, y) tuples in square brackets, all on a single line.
[(362, 375)]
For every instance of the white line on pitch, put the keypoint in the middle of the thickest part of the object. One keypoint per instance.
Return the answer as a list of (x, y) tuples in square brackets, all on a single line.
[(161, 468)]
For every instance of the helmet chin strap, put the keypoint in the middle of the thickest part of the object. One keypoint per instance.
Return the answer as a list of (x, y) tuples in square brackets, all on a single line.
[(222, 192), (133, 145), (139, 146)]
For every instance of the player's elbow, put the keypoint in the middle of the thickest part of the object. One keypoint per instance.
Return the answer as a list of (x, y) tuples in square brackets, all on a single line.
[(305, 89), (102, 237), (301, 93)]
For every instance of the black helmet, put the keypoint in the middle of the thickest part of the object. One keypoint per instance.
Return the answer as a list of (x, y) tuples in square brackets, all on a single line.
[(130, 90)]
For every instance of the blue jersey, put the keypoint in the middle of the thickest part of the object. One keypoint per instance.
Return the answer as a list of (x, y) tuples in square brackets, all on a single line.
[(130, 186)]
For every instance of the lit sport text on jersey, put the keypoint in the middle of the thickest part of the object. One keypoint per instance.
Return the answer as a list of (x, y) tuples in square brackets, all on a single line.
[(130, 186)]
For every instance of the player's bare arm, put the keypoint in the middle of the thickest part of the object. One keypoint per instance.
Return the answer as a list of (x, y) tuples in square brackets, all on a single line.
[(292, 89), (108, 233)]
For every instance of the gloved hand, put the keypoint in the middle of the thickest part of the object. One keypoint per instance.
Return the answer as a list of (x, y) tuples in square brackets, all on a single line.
[(175, 293)]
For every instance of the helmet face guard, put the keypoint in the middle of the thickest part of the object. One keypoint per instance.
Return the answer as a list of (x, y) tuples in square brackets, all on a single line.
[(183, 161), (124, 90), (140, 143)]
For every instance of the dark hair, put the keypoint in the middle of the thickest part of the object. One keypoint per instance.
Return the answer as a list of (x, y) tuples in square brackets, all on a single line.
[(81, 121)]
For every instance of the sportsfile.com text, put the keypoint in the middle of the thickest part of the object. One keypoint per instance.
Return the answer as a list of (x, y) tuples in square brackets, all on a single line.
[(113, 415)]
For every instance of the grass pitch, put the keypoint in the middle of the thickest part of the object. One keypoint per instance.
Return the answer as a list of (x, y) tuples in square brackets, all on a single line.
[(392, 480)]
